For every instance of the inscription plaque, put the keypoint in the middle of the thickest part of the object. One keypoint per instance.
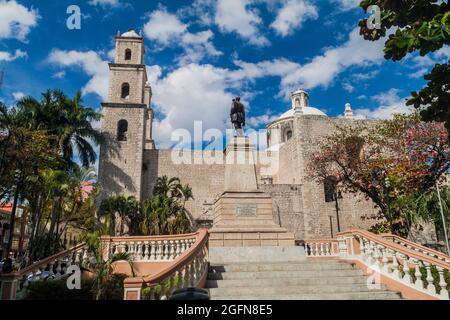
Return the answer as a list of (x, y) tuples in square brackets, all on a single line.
[(246, 210)]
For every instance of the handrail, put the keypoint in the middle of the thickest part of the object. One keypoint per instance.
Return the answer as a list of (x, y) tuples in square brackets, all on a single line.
[(44, 262), (392, 245), (191, 266), (416, 271), (416, 246)]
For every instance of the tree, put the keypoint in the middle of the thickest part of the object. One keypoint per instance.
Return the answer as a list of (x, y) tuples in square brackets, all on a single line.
[(105, 280), (422, 26), (120, 211), (384, 162), (66, 119)]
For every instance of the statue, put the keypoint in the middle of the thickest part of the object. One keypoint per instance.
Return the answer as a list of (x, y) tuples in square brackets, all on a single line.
[(237, 115)]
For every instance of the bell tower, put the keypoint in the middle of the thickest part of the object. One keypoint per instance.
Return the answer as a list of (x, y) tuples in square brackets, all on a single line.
[(127, 120)]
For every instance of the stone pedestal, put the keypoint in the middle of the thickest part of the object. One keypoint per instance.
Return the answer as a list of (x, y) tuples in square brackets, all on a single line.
[(243, 214)]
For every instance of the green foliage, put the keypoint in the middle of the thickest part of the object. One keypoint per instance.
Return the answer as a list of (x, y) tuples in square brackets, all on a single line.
[(161, 214), (57, 290), (422, 26), (388, 163), (157, 290), (122, 209)]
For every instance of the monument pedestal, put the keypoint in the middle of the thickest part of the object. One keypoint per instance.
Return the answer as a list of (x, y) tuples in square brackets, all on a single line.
[(243, 215)]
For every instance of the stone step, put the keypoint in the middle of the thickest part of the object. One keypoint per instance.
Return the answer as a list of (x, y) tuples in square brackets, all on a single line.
[(283, 274), (230, 255), (288, 281), (285, 289), (280, 267), (380, 295)]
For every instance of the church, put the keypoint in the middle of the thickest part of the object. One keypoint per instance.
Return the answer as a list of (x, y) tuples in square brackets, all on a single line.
[(130, 162)]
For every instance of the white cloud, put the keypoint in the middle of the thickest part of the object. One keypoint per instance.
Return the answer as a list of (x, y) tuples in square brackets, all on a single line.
[(16, 20), (112, 3), (91, 63), (323, 69), (261, 120), (421, 65), (390, 103), (346, 4), (164, 27), (59, 75), (292, 15), (168, 30), (18, 95), (6, 56), (348, 87), (238, 17)]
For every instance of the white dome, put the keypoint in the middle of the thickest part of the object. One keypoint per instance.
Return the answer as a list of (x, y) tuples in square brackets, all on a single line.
[(130, 34), (305, 111)]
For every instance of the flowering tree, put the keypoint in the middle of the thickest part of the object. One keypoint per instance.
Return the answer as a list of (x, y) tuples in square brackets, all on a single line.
[(385, 161)]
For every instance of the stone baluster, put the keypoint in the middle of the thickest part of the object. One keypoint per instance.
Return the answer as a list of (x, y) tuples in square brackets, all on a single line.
[(58, 269), (165, 251), (160, 251), (173, 251), (419, 282), (429, 278), (147, 255), (395, 265), (442, 284), (178, 247), (153, 250), (50, 268), (131, 250), (384, 262), (407, 270), (139, 253), (116, 249), (172, 283)]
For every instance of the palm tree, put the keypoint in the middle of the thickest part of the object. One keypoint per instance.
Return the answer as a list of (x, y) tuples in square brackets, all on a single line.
[(103, 269), (68, 120), (126, 208), (168, 187)]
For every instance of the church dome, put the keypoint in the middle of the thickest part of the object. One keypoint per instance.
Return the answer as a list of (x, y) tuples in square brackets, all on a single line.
[(130, 34), (305, 111)]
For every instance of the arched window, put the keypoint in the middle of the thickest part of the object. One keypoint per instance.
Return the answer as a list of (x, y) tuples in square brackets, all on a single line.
[(288, 135), (329, 186), (125, 91), (297, 103), (122, 129), (128, 54)]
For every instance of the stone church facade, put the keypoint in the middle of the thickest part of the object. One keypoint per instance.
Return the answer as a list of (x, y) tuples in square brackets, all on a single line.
[(130, 163)]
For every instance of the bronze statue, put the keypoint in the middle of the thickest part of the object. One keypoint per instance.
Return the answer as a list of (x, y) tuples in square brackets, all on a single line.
[(237, 115)]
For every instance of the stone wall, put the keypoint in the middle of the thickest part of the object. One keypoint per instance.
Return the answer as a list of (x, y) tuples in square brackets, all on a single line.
[(206, 180), (317, 213), (120, 166), (287, 207)]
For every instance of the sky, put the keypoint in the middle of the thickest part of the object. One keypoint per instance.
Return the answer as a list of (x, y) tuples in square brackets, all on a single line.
[(202, 53)]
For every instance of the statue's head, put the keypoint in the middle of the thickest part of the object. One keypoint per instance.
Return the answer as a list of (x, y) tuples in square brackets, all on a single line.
[(238, 99)]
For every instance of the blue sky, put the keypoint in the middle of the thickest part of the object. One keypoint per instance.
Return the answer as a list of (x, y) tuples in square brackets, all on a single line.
[(201, 53)]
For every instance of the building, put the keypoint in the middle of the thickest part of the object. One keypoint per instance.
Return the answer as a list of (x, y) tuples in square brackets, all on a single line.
[(130, 163), (20, 240)]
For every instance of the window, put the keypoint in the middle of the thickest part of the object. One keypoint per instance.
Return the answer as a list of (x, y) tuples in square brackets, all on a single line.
[(297, 103), (329, 187), (288, 135), (122, 129), (128, 54), (125, 91)]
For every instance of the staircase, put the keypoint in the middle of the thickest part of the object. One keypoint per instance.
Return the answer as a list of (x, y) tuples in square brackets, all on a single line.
[(301, 279)]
